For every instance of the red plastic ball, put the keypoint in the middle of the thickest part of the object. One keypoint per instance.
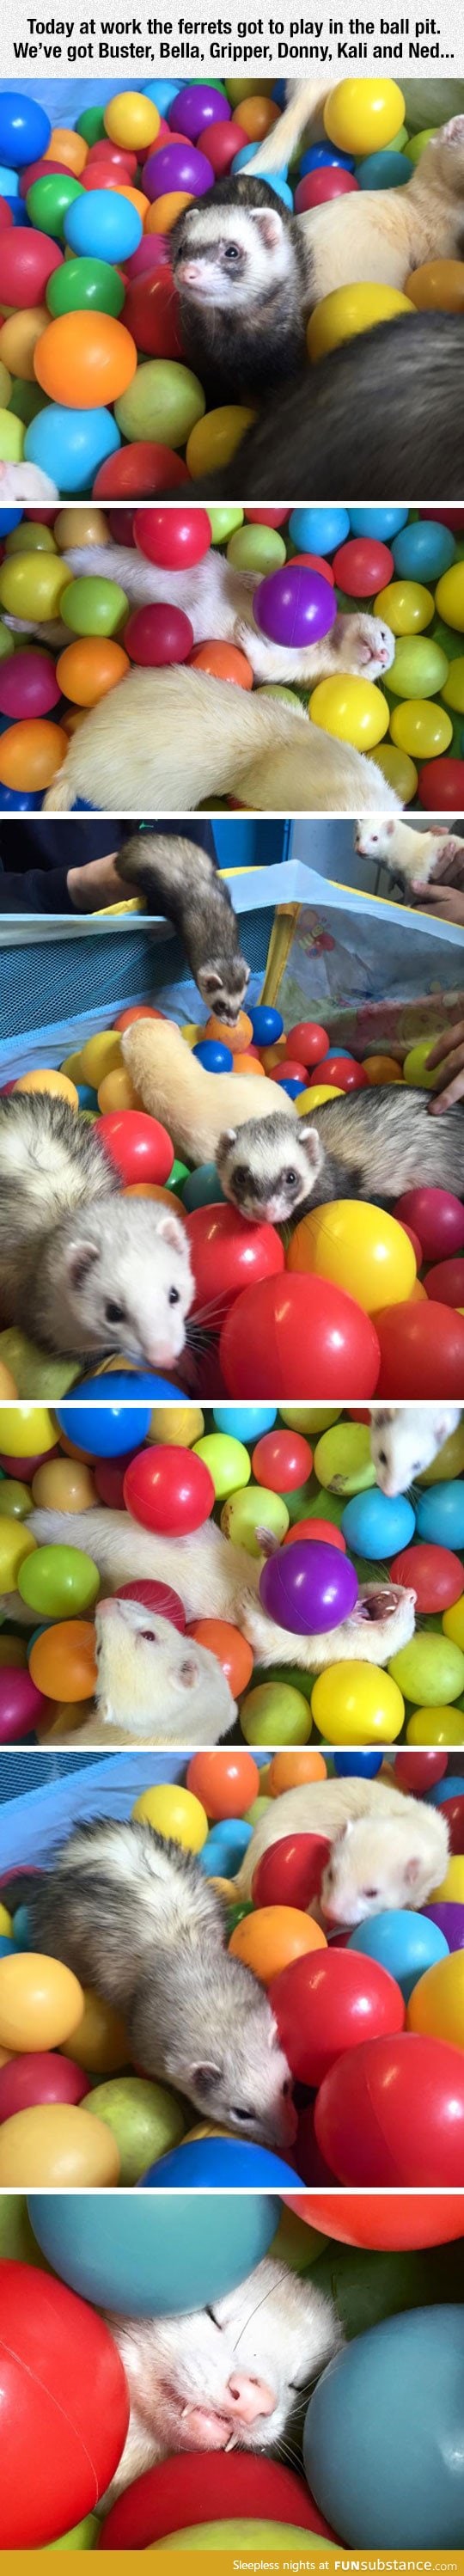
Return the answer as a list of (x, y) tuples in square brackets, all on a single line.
[(227, 1253), (108, 1476), (316, 1529), (307, 1041), (290, 1872), (158, 1597), (299, 1338), (317, 563), (439, 1218), (151, 313), (64, 2406), (289, 1070), (193, 2485), (139, 1146), (28, 685), (440, 786), (42, 2076), (384, 2222), (6, 217), (38, 170), (221, 142), (156, 636), (319, 186), (453, 1811), (437, 1577), (344, 1074), (282, 1460), (169, 1490), (311, 2164), (28, 260), (420, 1769), (115, 157), (225, 1783), (393, 2112), (28, 1465), (329, 2002), (173, 539), (363, 566), (137, 472), (421, 1346), (445, 1283), (21, 1704)]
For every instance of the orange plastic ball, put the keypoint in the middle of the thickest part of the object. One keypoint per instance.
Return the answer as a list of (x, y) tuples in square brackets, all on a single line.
[(258, 115), (438, 286), (30, 755), (85, 359), (289, 1770), (224, 662), (164, 213), (225, 1782), (86, 671), (382, 1068), (68, 148), (136, 198), (237, 1039), (273, 1055), (138, 1011), (270, 1939), (62, 1661), (246, 1064), (229, 1646), (48, 1080), (41, 2001), (101, 2043), (116, 1091), (154, 1190)]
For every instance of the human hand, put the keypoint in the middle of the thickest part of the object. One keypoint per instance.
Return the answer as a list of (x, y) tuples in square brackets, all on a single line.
[(97, 884), (442, 902), (448, 1054)]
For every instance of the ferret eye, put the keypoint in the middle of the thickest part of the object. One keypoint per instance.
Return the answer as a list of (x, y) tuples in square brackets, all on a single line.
[(209, 2312), (231, 251), (370, 1891), (173, 1297), (290, 1180), (382, 1457), (238, 2114), (114, 1314)]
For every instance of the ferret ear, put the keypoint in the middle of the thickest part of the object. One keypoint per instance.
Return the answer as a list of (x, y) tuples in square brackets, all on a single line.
[(172, 1230), (412, 1872), (269, 225), (207, 2076), (188, 1672), (80, 1259), (229, 1137), (312, 1143), (209, 980)]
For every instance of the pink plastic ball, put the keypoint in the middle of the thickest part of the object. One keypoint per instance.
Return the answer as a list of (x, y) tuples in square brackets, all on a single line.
[(156, 636), (446, 1283), (175, 540), (363, 566), (39, 2077), (319, 186), (438, 1217), (21, 1704), (28, 685)]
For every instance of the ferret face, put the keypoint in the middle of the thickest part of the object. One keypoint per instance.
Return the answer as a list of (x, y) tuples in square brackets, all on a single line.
[(377, 1865), (223, 985), (267, 1167), (230, 255), (150, 1677), (404, 1440), (243, 2082), (230, 2375), (373, 839), (129, 1283)]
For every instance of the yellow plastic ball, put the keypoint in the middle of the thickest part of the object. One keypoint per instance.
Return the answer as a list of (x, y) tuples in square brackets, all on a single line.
[(228, 1461), (82, 527), (214, 440), (451, 1891), (26, 1430), (174, 1812), (50, 1081), (348, 310), (131, 120), (421, 727), (164, 213), (177, 1425), (415, 1066), (314, 1098), (5, 1923), (16, 1542), (116, 1091), (440, 1725), (363, 116), (41, 2001), (453, 1622), (449, 1463), (18, 343), (100, 2042), (31, 586), (342, 1459), (406, 605), (355, 710), (436, 2006), (453, 686), (360, 1248), (100, 1055), (357, 1704), (308, 1417), (6, 386), (56, 2147), (449, 596), (398, 770)]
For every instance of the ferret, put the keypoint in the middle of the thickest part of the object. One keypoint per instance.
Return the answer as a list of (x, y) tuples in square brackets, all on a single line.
[(217, 1581), (386, 1850), (219, 601), (133, 1914), (176, 1088), (405, 1438), (378, 415), (249, 272), (368, 1144), (410, 855), (181, 880), (235, 2375), (89, 1270), (22, 485), (166, 741), (154, 1685)]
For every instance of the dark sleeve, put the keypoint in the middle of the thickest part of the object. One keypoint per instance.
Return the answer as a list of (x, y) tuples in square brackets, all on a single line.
[(36, 890)]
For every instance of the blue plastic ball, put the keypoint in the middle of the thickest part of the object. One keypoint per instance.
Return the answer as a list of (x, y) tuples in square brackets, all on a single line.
[(203, 1188), (224, 1849), (153, 2262), (323, 156), (22, 1928), (129, 1387), (383, 2448), (88, 1098), (24, 128), (216, 1058), (108, 1429), (279, 185), (248, 153), (267, 1025), (245, 1421), (383, 170), (216, 2164), (162, 92), (440, 1514), (9, 518), (19, 801), (106, 227), (406, 1944), (424, 550), (384, 522), (293, 1086), (357, 1766), (70, 445), (337, 1052), (376, 1527), (6, 1946), (318, 531), (9, 184), (447, 1788)]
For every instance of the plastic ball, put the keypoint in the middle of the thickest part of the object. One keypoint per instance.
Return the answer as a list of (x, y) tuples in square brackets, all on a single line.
[(145, 2120), (424, 549), (420, 728), (213, 441), (288, 1337), (343, 1460), (289, 1874), (374, 1525), (174, 542), (361, 117), (369, 2115), (177, 167), (28, 687), (228, 1253), (356, 1703), (281, 1460), (163, 402), (386, 169), (250, 1511), (60, 2361), (49, 199), (419, 667), (24, 128), (420, 1345), (294, 607), (100, 2042), (361, 566), (330, 2004), (319, 187), (28, 260), (267, 1024), (308, 1588), (359, 1248), (41, 2002), (169, 1490), (21, 1705), (275, 1713), (408, 1945), (354, 710), (88, 354), (441, 786), (62, 1661), (241, 2484), (103, 225), (307, 1041), (55, 2144), (225, 1782), (93, 606), (88, 669), (231, 1650), (430, 1669), (71, 445), (59, 1580), (349, 310), (31, 753), (374, 2483), (389, 2222), (435, 1726), (228, 1462), (40, 2077), (157, 2266), (269, 1940), (438, 1218)]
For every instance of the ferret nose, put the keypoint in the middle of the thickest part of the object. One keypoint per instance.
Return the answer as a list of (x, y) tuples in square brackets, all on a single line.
[(105, 1606), (191, 271), (250, 2398)]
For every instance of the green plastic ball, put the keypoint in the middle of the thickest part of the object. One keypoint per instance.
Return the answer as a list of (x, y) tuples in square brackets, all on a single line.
[(11, 438), (91, 124), (228, 1461), (430, 1671), (6, 642), (144, 2118), (343, 1459), (62, 1582), (420, 667), (249, 2536), (256, 549), (163, 402), (49, 200), (274, 1713), (415, 1066), (251, 1510), (85, 285), (224, 520), (30, 539), (15, 1500), (93, 606)]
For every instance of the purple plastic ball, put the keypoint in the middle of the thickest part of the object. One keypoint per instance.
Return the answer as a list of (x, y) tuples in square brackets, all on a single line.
[(294, 606), (450, 1920), (178, 166), (194, 108), (308, 1587)]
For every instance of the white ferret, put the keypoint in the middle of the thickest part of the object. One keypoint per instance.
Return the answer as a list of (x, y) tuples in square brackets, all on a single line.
[(405, 1438), (162, 742), (218, 600), (22, 485), (92, 1270), (233, 2375), (409, 854), (154, 1685), (196, 1104), (386, 1850)]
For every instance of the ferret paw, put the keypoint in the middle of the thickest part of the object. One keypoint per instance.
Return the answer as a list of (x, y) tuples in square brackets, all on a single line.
[(267, 660), (364, 644)]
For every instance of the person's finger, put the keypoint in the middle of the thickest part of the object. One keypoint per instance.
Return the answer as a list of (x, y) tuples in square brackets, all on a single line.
[(448, 1045), (447, 1099), (428, 894)]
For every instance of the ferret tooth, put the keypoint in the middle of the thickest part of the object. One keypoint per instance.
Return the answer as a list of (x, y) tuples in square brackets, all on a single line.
[(232, 2445)]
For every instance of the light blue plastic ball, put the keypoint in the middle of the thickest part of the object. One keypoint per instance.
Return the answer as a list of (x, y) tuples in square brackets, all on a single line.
[(446, 1788), (162, 92), (9, 183), (224, 1849), (280, 187), (424, 550), (22, 1928), (377, 1527), (440, 1514), (324, 156), (70, 445), (107, 227), (383, 170), (245, 1421), (218, 2164), (319, 531), (248, 153), (147, 2261), (203, 1188), (216, 1058), (383, 2447), (384, 522), (357, 1766), (404, 1943), (109, 1430), (267, 1024)]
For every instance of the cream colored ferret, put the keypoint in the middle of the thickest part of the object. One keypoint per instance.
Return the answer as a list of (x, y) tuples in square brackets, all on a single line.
[(196, 1105), (409, 854), (154, 1685), (386, 1850), (162, 742), (405, 1438), (229, 2376), (219, 601), (383, 234)]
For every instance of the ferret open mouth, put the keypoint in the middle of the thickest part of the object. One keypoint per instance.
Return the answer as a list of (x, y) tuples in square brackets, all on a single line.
[(200, 2428), (379, 1605)]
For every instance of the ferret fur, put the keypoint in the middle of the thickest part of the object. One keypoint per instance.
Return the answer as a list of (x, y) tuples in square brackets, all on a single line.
[(154, 1686), (234, 2375), (181, 880), (95, 1271), (219, 601), (134, 1916), (409, 854), (386, 1850), (379, 415), (165, 741), (368, 1144), (193, 1103), (405, 1438)]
